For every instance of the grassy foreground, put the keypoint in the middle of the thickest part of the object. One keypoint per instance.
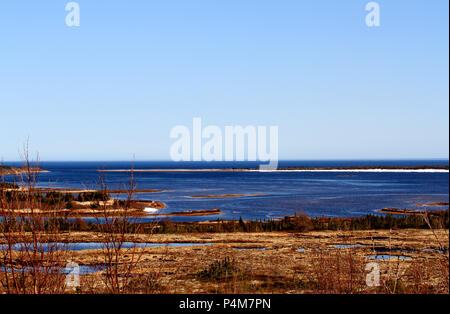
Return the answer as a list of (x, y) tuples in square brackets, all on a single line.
[(409, 260)]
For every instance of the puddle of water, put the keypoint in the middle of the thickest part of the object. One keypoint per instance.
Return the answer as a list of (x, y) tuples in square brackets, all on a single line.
[(84, 269), (435, 250), (80, 246), (347, 246), (387, 257), (301, 250), (385, 249)]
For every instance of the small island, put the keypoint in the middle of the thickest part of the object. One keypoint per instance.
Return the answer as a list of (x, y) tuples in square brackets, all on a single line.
[(8, 170), (88, 203)]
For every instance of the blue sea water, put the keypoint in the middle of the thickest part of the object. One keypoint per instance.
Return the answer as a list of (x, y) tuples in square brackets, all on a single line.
[(332, 194)]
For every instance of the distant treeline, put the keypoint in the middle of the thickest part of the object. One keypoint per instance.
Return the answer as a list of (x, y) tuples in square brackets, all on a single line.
[(6, 185), (5, 170), (50, 198), (302, 223), (297, 223), (8, 170)]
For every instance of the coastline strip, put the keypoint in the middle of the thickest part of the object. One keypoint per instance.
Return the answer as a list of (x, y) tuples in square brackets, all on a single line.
[(399, 170)]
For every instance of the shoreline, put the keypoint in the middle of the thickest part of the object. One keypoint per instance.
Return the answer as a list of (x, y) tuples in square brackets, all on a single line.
[(12, 171), (112, 191), (112, 213), (226, 195), (412, 212), (139, 211), (418, 169)]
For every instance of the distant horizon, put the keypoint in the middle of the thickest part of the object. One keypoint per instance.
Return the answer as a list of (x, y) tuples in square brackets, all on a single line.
[(281, 160)]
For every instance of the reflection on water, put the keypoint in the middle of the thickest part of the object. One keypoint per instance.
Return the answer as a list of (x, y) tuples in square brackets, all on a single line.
[(347, 246), (385, 249), (435, 250), (387, 257), (250, 248), (83, 269), (80, 246)]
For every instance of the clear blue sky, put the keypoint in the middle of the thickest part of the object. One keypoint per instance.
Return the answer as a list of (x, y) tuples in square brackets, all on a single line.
[(116, 85)]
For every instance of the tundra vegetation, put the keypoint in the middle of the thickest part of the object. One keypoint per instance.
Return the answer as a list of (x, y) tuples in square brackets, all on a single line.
[(295, 254)]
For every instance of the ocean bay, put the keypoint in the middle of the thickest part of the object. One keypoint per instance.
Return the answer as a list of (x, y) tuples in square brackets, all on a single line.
[(261, 195)]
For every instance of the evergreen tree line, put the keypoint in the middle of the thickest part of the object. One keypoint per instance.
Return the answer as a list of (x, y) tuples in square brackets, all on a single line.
[(296, 223)]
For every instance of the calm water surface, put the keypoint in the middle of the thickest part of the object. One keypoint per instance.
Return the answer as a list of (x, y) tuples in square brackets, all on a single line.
[(333, 194)]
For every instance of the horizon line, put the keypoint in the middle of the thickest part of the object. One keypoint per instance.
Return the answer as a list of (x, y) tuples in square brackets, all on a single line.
[(234, 161)]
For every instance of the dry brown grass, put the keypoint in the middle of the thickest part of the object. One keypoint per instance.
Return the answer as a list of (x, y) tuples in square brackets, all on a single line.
[(34, 267), (32, 256)]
